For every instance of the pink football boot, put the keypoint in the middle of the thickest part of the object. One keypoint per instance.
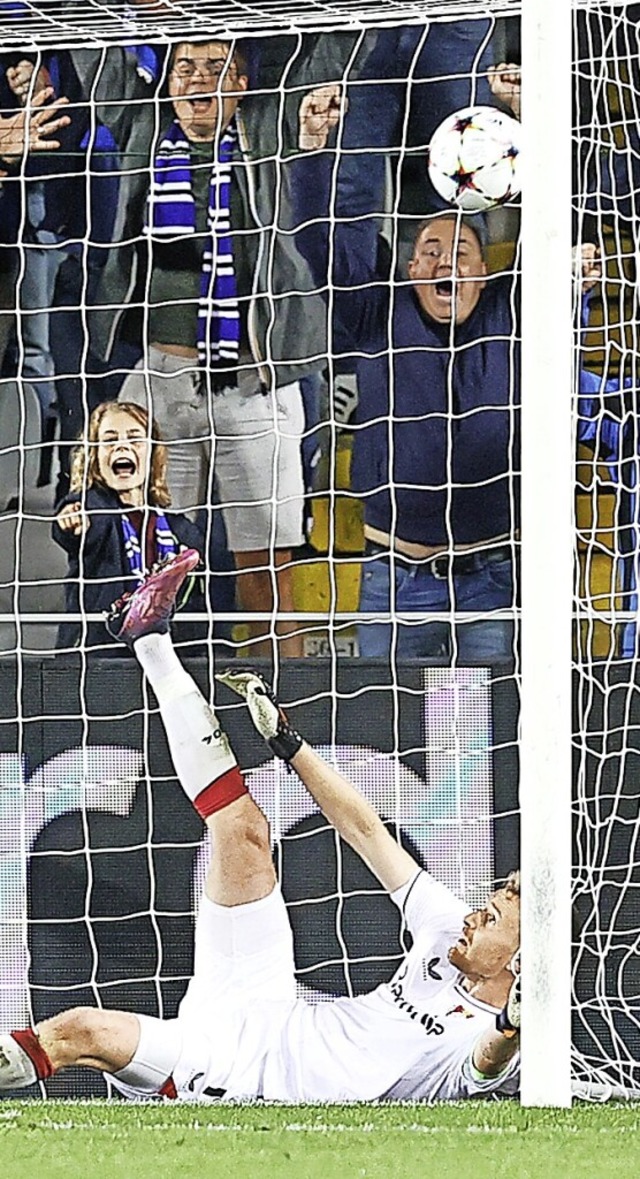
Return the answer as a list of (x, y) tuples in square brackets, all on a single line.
[(149, 609)]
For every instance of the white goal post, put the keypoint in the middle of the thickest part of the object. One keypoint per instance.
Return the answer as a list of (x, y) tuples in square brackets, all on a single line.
[(547, 556)]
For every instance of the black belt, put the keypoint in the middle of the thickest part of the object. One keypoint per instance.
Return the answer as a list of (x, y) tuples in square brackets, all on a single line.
[(442, 565)]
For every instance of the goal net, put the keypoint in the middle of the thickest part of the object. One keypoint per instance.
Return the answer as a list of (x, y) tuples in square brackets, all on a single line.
[(605, 980), (102, 858)]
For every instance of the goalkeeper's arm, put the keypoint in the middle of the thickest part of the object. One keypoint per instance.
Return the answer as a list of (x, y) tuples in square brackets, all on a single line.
[(493, 1051), (496, 1046), (354, 819), (352, 816)]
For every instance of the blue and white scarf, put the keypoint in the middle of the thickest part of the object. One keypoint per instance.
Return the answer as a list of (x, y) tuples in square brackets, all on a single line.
[(171, 213), (165, 544)]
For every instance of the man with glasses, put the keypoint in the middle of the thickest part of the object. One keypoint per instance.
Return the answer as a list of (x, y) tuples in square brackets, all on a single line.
[(228, 324)]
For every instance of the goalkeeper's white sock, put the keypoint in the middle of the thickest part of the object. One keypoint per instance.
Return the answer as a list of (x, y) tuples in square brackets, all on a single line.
[(159, 1049), (159, 661), (202, 756)]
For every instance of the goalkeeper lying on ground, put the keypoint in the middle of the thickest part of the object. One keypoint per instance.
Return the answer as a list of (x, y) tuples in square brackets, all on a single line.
[(445, 1027)]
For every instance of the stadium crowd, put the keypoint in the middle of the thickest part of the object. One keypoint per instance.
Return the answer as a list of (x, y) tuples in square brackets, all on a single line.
[(165, 214)]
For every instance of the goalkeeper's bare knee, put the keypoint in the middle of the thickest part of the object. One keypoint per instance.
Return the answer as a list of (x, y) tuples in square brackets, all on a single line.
[(242, 863), (89, 1036)]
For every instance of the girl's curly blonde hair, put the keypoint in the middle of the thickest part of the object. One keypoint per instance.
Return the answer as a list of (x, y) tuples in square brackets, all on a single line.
[(84, 463)]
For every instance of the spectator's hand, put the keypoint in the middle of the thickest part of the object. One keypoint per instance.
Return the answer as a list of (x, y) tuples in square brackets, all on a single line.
[(320, 112), (71, 518), (586, 265), (35, 125), (19, 79), (505, 83)]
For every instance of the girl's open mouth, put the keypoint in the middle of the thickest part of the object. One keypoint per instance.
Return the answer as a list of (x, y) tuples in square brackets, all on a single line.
[(123, 466)]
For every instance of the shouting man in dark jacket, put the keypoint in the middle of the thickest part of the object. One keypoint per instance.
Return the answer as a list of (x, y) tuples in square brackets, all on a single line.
[(436, 448)]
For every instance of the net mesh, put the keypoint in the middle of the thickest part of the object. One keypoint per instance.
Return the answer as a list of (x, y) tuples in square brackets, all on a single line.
[(88, 814), (56, 23), (102, 856), (605, 685)]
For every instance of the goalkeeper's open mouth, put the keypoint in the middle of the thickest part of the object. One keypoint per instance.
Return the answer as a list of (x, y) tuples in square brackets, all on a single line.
[(457, 953)]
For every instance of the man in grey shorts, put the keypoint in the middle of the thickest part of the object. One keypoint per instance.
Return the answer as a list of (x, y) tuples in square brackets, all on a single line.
[(230, 320)]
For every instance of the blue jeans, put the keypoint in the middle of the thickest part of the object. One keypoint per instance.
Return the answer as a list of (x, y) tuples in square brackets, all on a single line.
[(36, 295), (417, 591)]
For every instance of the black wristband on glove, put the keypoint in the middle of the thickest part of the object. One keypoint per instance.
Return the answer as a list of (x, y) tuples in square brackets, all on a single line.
[(504, 1025), (286, 742), (269, 718), (508, 1020)]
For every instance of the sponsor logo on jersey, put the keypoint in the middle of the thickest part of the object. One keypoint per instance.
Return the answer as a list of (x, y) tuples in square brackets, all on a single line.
[(429, 969), (431, 1025), (460, 1010)]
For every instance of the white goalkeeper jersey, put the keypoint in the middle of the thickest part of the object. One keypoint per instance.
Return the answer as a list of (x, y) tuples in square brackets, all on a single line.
[(411, 1038)]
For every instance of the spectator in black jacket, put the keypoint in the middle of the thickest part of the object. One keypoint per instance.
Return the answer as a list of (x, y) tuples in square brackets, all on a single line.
[(436, 442), (112, 524)]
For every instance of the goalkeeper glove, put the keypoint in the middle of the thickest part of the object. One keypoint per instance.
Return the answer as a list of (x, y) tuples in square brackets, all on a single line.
[(508, 1020), (269, 718)]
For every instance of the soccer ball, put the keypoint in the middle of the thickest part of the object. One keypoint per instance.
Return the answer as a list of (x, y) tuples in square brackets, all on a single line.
[(473, 158)]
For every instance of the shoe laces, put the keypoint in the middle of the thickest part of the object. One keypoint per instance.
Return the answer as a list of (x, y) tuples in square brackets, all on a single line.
[(120, 603)]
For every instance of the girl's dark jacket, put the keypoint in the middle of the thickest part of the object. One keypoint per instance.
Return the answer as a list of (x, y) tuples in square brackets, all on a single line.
[(99, 571)]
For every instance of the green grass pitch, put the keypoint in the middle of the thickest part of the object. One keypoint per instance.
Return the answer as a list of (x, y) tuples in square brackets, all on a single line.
[(103, 1140)]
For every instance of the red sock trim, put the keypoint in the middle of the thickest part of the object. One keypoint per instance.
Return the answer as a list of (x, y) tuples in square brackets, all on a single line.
[(30, 1044), (169, 1090), (220, 793)]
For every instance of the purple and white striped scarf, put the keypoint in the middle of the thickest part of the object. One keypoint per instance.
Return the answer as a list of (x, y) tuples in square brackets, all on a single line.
[(165, 544), (171, 213)]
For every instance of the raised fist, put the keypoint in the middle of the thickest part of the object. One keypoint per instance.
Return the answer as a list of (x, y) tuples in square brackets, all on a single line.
[(320, 112)]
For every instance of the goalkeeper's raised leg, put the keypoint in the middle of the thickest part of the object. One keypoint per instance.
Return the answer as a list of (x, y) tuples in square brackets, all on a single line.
[(241, 910)]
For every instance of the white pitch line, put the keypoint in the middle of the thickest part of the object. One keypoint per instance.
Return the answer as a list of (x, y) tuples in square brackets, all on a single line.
[(12, 1123), (238, 1128)]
